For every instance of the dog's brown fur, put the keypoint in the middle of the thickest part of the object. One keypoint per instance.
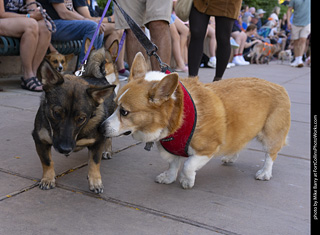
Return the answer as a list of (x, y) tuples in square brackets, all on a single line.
[(102, 63), (230, 113), (262, 50), (68, 119), (58, 61)]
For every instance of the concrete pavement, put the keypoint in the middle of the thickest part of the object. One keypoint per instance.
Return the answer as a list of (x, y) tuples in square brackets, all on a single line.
[(224, 200)]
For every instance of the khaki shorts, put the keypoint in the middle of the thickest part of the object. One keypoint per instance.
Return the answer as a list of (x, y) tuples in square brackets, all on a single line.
[(300, 31), (142, 11)]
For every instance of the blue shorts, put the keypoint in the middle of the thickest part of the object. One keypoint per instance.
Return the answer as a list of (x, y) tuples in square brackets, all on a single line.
[(68, 30)]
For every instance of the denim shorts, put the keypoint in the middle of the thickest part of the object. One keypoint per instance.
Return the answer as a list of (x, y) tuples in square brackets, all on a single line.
[(68, 30)]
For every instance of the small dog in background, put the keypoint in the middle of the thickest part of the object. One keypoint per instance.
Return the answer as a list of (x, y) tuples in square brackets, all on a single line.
[(262, 50), (285, 56), (101, 63), (58, 61)]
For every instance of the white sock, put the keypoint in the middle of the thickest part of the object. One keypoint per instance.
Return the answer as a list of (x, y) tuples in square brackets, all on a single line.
[(299, 59), (212, 59)]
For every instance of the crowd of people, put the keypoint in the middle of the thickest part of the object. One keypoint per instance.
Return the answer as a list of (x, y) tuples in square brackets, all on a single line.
[(232, 30)]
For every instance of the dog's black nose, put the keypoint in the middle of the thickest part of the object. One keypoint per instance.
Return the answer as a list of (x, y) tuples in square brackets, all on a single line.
[(64, 149)]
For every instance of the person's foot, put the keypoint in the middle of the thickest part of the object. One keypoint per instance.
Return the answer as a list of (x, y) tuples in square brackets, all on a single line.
[(244, 61), (182, 69), (212, 62), (297, 63), (31, 84), (238, 61), (123, 74), (233, 43)]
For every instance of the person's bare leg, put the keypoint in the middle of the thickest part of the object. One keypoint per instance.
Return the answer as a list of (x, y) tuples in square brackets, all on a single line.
[(160, 35), (133, 46), (43, 43), (176, 50), (184, 33), (299, 46), (236, 36), (27, 30)]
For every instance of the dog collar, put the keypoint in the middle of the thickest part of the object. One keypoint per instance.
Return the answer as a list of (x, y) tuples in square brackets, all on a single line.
[(178, 142)]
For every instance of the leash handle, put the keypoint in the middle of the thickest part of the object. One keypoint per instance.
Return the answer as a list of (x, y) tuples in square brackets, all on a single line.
[(95, 33), (45, 15)]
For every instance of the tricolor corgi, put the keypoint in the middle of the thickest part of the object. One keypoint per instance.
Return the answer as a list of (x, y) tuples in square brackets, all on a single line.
[(187, 118)]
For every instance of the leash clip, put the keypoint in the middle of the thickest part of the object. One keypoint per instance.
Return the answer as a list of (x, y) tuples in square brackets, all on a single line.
[(148, 146), (163, 66), (79, 73)]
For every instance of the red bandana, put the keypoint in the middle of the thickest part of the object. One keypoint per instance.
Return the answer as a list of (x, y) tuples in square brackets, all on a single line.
[(178, 142)]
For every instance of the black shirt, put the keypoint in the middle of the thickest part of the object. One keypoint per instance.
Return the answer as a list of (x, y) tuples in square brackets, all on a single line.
[(47, 4)]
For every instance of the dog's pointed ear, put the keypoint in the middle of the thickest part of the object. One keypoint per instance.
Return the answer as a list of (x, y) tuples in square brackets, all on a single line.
[(113, 49), (69, 57), (138, 68), (99, 94), (50, 76), (87, 45), (163, 90)]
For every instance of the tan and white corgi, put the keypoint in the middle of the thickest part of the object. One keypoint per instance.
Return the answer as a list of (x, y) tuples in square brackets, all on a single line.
[(216, 119)]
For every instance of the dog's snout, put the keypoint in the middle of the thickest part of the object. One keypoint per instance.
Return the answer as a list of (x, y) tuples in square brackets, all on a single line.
[(102, 128), (65, 149)]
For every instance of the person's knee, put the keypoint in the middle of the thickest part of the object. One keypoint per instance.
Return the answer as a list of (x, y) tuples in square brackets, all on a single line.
[(43, 29), (158, 25), (32, 28)]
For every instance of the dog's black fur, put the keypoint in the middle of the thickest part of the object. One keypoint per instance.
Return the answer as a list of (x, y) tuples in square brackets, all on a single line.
[(70, 113)]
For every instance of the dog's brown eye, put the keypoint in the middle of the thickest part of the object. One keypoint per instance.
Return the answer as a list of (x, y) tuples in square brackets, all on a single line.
[(55, 61), (81, 119), (57, 112), (123, 112)]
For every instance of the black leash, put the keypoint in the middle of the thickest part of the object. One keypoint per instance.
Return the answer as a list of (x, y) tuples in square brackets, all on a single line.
[(46, 17), (149, 46)]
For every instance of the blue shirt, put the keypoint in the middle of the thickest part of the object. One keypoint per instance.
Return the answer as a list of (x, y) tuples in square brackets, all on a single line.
[(301, 15)]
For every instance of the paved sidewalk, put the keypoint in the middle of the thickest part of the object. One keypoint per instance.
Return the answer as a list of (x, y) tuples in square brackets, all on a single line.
[(224, 200)]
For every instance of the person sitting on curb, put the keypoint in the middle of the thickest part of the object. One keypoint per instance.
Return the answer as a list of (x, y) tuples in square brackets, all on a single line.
[(34, 38)]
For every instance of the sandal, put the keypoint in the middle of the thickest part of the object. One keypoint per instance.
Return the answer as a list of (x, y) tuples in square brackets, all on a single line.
[(31, 84)]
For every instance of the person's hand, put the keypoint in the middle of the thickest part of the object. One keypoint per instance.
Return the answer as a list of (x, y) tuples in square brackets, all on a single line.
[(36, 14), (102, 28), (289, 26)]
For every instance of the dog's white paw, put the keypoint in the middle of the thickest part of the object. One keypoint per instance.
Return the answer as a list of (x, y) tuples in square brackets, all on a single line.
[(95, 185), (229, 159), (263, 174), (166, 178), (187, 182), (47, 183), (106, 155)]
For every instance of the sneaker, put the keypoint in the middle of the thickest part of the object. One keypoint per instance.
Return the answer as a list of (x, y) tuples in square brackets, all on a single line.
[(244, 61), (296, 63), (230, 65), (237, 61), (233, 43), (212, 63), (124, 75)]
